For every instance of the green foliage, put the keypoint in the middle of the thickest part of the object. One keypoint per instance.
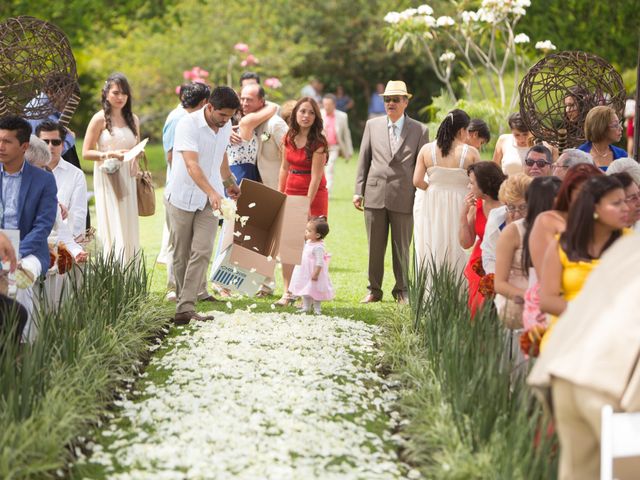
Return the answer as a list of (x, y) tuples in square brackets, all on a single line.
[(471, 413), (52, 389)]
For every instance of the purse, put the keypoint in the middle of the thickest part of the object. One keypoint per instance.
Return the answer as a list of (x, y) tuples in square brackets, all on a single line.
[(145, 191)]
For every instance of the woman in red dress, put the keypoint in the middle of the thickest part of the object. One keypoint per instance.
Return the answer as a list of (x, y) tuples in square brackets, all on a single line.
[(485, 179), (302, 169)]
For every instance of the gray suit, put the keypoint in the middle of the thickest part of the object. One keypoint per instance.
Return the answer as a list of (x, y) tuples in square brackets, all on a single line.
[(385, 181)]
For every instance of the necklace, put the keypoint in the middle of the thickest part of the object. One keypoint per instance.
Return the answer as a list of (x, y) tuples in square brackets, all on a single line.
[(598, 152)]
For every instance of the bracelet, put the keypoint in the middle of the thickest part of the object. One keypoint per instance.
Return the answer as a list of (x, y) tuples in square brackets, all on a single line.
[(229, 182)]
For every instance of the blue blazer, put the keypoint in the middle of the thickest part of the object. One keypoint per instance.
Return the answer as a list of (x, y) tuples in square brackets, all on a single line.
[(37, 208)]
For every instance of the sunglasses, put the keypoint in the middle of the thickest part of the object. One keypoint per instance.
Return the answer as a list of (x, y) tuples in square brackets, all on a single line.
[(538, 163), (54, 142), (392, 99)]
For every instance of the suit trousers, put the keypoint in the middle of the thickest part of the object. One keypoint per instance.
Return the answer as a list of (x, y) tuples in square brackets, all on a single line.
[(334, 151), (378, 222), (192, 235), (577, 419)]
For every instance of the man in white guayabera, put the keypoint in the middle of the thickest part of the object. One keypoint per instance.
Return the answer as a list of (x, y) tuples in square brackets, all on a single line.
[(199, 177)]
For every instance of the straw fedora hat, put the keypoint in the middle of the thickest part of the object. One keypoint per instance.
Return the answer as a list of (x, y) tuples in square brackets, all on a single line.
[(396, 87)]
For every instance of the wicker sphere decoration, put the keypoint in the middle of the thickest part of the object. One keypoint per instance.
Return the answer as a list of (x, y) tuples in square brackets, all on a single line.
[(35, 57), (558, 92)]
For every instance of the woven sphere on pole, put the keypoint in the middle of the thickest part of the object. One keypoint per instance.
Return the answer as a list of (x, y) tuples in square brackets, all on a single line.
[(35, 57), (557, 93)]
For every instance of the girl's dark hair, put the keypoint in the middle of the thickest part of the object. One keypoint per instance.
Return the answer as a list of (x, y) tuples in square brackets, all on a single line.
[(315, 138), (578, 235), (574, 177), (516, 123), (322, 227), (123, 84), (191, 94), (480, 126), (489, 177), (452, 123), (540, 196)]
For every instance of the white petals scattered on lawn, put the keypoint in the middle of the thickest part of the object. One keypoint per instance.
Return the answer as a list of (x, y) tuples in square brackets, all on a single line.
[(260, 396)]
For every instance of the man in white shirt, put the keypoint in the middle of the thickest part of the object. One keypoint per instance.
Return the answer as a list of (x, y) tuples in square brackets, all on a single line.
[(200, 174), (72, 186)]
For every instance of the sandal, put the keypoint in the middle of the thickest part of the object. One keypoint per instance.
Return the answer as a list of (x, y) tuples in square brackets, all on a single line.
[(286, 300)]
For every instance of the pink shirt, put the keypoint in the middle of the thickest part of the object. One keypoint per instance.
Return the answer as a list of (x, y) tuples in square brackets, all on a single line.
[(330, 129)]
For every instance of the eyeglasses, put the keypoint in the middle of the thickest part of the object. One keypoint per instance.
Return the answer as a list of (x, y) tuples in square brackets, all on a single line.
[(632, 198), (55, 142), (392, 99), (517, 208), (557, 165), (615, 126), (539, 163)]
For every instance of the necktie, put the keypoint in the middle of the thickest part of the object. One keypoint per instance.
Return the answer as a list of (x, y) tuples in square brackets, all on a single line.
[(393, 138)]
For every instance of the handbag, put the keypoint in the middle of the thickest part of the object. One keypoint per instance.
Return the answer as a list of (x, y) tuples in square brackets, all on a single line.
[(145, 191)]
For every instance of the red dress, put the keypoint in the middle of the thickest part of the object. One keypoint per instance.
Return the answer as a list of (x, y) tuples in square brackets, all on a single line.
[(299, 179), (473, 278)]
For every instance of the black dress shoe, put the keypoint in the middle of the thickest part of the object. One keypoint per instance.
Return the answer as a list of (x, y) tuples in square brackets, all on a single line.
[(370, 299), (183, 318)]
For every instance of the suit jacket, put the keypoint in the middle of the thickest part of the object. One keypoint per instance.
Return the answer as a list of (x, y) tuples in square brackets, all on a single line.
[(384, 179), (596, 342), (343, 133), (269, 155), (37, 207)]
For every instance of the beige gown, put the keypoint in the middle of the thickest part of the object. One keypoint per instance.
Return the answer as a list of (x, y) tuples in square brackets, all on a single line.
[(117, 225)]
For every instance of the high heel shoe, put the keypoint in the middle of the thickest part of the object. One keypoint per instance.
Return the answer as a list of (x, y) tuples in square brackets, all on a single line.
[(286, 300)]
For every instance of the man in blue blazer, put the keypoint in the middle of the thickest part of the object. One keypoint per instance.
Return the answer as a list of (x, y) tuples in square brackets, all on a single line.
[(27, 196)]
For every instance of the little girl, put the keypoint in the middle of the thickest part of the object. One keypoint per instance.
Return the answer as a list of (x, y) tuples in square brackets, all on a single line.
[(310, 279)]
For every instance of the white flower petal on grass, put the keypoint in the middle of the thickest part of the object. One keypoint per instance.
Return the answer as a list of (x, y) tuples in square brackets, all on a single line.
[(229, 305), (521, 38), (269, 395)]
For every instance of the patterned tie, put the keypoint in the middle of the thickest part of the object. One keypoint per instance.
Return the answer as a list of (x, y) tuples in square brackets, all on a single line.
[(393, 138)]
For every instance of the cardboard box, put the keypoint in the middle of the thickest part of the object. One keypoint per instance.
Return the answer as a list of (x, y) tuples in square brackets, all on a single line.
[(274, 231)]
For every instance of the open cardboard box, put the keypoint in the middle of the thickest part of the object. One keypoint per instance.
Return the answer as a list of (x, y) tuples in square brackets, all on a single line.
[(274, 231)]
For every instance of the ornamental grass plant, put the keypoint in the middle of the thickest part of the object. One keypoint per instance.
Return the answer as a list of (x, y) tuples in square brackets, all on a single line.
[(52, 389), (470, 412)]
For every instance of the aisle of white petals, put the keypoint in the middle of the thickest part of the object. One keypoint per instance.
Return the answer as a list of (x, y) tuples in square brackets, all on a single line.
[(259, 396)]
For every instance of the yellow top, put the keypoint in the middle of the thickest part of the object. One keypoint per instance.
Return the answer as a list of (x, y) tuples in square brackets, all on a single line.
[(574, 274)]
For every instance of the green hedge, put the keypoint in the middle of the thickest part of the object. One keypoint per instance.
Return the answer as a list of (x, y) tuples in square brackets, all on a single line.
[(470, 416), (52, 390)]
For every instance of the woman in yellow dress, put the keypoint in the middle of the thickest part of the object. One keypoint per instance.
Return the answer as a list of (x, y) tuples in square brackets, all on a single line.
[(596, 219)]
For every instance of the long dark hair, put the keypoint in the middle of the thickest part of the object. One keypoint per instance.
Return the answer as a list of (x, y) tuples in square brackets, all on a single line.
[(452, 123), (539, 197), (578, 235), (123, 84), (315, 138)]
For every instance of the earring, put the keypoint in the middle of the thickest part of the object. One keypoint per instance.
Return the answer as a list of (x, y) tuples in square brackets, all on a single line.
[(596, 216)]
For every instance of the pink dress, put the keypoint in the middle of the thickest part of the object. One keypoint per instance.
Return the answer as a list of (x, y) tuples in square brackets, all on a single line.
[(301, 283)]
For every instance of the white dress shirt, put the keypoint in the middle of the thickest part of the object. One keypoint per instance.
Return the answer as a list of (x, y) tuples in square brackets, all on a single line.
[(497, 217), (72, 193), (193, 134)]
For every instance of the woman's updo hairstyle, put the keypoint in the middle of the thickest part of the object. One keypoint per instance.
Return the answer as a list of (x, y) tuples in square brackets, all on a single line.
[(450, 126)]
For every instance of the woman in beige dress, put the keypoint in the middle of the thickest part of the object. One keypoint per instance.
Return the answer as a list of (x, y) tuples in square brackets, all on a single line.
[(111, 133)]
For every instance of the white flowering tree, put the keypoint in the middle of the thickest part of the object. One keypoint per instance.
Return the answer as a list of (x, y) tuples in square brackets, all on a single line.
[(483, 42)]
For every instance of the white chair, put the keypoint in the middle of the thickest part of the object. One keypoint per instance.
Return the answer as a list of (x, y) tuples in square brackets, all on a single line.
[(619, 438)]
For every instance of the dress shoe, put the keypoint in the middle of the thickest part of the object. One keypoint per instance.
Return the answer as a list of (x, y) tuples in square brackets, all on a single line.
[(402, 299), (370, 299), (183, 318)]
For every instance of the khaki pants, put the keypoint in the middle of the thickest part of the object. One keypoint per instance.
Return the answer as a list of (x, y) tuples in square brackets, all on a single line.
[(578, 424), (378, 222), (192, 235)]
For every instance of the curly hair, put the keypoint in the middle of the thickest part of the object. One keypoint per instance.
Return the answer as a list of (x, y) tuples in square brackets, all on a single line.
[(514, 188), (123, 84), (315, 137), (489, 177), (450, 126)]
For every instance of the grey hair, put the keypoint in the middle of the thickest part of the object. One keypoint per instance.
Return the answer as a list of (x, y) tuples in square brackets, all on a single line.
[(628, 165), (38, 153), (573, 156)]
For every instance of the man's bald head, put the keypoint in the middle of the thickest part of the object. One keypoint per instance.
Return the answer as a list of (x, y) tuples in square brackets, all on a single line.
[(252, 98)]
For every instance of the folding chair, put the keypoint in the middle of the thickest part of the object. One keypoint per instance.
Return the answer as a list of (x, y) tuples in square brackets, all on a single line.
[(619, 438)]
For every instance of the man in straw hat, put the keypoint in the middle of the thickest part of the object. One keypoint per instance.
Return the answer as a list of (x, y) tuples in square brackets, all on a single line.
[(384, 187)]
